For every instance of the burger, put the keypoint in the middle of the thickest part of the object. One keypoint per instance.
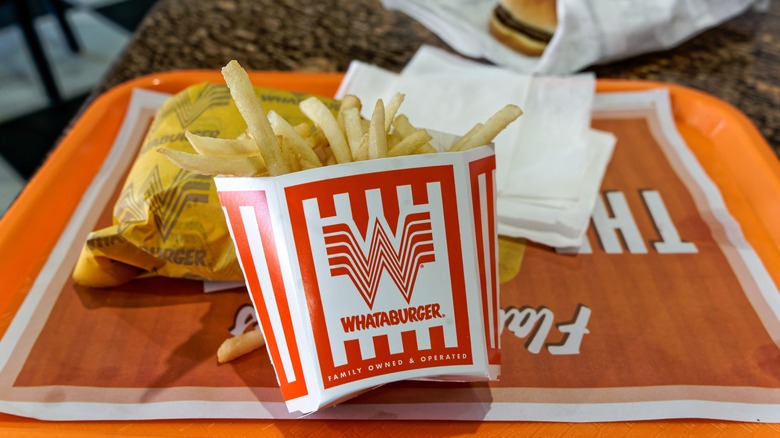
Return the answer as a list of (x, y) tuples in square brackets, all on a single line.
[(526, 26)]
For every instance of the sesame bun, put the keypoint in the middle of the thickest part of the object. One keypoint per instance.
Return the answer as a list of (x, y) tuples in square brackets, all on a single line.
[(526, 26)]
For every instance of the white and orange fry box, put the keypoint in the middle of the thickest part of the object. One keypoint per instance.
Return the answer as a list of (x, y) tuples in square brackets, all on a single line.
[(371, 272)]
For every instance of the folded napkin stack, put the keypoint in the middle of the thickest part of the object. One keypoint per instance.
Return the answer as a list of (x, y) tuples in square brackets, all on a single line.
[(550, 163)]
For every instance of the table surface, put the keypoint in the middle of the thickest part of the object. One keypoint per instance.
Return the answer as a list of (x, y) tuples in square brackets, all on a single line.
[(738, 61)]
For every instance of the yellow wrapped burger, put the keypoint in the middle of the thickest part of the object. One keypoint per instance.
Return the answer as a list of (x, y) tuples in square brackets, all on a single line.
[(168, 221)]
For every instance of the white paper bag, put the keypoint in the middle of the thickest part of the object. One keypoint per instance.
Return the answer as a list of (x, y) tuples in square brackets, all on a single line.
[(589, 31)]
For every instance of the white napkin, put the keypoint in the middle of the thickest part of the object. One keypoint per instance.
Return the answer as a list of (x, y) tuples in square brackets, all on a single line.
[(589, 31), (549, 163), (564, 225)]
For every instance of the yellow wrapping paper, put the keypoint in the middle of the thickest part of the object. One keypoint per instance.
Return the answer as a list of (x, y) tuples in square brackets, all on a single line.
[(168, 221)]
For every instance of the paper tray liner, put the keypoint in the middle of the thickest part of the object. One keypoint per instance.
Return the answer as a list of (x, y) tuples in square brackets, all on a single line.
[(172, 322), (122, 316)]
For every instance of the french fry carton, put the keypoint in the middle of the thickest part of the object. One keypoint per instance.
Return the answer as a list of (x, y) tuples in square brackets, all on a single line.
[(371, 272)]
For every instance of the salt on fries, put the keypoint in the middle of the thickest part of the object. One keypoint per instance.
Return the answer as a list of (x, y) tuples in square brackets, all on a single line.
[(274, 147)]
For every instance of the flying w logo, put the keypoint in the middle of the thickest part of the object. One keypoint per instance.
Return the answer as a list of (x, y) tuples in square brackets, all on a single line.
[(168, 204), (347, 255), (400, 252), (188, 110)]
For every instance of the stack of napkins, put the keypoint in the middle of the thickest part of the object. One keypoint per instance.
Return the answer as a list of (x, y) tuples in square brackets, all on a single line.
[(549, 163)]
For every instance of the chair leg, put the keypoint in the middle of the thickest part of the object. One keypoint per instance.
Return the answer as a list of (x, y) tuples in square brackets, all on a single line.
[(36, 50), (59, 14)]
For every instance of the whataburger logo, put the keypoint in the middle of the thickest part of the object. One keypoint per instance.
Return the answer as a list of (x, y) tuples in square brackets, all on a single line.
[(401, 253), (378, 240), (382, 271)]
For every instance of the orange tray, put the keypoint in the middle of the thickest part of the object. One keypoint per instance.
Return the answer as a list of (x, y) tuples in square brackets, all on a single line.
[(726, 143)]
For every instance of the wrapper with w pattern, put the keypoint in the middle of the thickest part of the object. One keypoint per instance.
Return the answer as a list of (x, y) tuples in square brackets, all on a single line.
[(168, 221)]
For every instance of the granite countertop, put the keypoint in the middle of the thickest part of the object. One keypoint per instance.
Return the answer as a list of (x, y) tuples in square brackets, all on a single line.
[(738, 61)]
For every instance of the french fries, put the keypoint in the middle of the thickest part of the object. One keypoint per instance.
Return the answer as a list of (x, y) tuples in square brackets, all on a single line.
[(492, 127), (271, 146), (301, 148), (240, 345), (347, 103), (222, 147), (353, 127), (465, 139), (323, 118), (377, 140), (391, 109), (259, 127), (410, 144), (210, 165)]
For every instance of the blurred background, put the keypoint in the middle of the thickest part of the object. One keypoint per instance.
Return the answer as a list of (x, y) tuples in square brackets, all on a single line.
[(80, 52), (39, 95)]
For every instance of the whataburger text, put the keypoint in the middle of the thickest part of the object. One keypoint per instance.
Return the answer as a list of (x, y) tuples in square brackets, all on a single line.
[(391, 318), (397, 363)]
